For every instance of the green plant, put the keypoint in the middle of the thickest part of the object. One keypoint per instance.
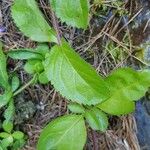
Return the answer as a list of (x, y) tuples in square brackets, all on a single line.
[(9, 88), (35, 58), (117, 6), (116, 52), (15, 139), (91, 96)]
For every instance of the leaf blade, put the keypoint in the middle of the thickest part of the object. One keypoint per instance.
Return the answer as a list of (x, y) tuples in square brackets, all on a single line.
[(126, 86), (74, 13), (76, 108), (24, 54), (10, 111), (15, 82), (117, 106), (128, 82), (96, 119), (3, 71), (63, 64), (57, 136), (31, 22), (5, 98)]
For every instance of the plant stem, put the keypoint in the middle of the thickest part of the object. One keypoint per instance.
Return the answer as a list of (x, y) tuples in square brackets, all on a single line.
[(56, 27), (26, 85)]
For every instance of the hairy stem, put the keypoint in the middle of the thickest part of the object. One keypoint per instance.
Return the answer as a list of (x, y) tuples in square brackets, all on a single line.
[(56, 26)]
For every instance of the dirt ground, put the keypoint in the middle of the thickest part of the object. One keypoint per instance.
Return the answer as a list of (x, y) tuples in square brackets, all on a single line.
[(41, 103)]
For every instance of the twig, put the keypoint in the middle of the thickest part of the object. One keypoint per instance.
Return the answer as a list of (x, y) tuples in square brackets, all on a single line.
[(125, 49), (129, 21)]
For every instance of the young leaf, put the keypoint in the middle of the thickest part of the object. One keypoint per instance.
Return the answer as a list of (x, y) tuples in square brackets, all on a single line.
[(43, 78), (3, 72), (64, 133), (76, 108), (7, 142), (18, 135), (33, 66), (5, 98), (4, 135), (18, 144), (96, 119), (15, 83), (73, 77), (31, 22), (9, 112), (42, 49), (24, 54), (126, 86), (74, 13), (7, 126)]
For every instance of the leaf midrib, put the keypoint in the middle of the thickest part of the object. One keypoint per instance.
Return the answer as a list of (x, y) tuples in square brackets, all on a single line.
[(76, 70), (61, 137)]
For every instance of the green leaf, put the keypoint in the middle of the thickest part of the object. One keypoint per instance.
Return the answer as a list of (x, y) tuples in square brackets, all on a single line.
[(4, 135), (42, 49), (7, 142), (18, 144), (5, 98), (18, 135), (126, 86), (73, 77), (31, 22), (117, 106), (33, 66), (96, 119), (74, 13), (15, 83), (1, 148), (129, 83), (64, 133), (43, 78), (3, 71), (76, 108), (7, 126), (10, 111), (24, 54)]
